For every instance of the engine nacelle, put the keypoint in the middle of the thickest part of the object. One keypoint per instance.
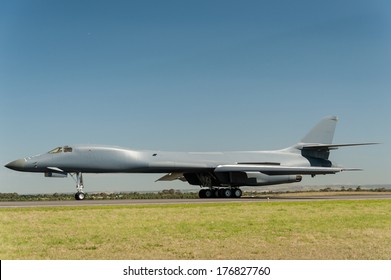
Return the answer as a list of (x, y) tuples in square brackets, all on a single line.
[(56, 175), (254, 179), (260, 179)]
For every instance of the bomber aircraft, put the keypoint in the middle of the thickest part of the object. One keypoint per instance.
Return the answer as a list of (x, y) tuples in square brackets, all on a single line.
[(219, 174)]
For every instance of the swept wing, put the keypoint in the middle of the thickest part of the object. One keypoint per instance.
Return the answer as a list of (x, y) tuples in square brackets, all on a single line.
[(280, 170)]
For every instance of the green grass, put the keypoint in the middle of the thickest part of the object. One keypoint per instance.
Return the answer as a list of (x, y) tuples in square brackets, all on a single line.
[(286, 230)]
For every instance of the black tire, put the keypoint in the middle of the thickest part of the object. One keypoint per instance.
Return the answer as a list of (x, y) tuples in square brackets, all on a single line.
[(80, 196), (208, 193), (201, 194), (237, 193), (226, 193)]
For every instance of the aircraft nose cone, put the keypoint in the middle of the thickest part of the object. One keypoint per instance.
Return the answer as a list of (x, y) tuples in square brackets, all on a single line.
[(16, 165)]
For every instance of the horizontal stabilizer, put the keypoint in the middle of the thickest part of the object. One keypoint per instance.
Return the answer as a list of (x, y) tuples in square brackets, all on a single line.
[(333, 146), (322, 151)]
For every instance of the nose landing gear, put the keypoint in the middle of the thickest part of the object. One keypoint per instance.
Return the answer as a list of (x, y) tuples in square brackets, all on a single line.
[(80, 195)]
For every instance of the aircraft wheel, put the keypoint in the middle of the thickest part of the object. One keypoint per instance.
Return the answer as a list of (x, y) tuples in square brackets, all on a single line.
[(226, 193), (80, 196), (208, 193), (201, 194), (237, 193)]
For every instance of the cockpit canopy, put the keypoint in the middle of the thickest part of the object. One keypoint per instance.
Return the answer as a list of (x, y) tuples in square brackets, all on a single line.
[(65, 149)]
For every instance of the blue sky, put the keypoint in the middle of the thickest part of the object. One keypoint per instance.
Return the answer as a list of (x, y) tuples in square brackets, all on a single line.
[(192, 75)]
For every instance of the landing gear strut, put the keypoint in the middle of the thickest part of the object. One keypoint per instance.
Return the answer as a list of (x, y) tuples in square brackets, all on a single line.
[(80, 195)]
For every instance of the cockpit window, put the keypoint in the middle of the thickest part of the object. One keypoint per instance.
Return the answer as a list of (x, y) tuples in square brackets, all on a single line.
[(65, 149), (56, 150)]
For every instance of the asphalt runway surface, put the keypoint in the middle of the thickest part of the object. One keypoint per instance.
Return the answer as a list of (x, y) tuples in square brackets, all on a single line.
[(73, 203)]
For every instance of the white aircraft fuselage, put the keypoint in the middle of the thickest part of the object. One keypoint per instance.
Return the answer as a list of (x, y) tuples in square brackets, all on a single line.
[(220, 173)]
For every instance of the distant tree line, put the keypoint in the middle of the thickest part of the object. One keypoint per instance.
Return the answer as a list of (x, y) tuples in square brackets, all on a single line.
[(164, 194), (351, 189)]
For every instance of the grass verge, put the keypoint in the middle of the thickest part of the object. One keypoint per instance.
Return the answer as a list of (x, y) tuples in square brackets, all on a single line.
[(274, 230)]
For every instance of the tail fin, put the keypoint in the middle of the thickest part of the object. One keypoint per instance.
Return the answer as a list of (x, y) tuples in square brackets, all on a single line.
[(317, 144), (323, 132)]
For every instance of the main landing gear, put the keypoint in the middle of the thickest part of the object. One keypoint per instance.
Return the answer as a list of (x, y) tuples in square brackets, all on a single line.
[(220, 193), (80, 195), (207, 181)]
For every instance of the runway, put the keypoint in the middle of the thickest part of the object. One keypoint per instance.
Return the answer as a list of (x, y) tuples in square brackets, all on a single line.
[(75, 203)]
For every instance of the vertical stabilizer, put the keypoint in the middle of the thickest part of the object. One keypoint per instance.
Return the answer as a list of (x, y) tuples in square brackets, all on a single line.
[(323, 132)]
